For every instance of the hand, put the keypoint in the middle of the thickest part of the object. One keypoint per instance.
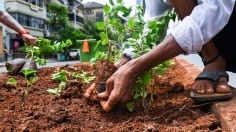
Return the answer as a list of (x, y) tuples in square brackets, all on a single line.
[(119, 87), (29, 39), (92, 88)]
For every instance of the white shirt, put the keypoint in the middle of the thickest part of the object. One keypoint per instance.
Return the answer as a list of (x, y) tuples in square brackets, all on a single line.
[(205, 21)]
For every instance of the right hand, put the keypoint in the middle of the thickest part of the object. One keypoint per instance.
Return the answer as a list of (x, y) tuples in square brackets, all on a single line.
[(29, 39), (119, 87)]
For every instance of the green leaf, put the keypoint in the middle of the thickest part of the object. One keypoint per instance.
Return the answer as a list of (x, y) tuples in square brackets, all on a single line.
[(147, 78), (12, 82), (130, 106), (152, 24), (136, 35), (111, 2), (119, 1), (106, 8), (103, 35), (100, 26), (131, 23)]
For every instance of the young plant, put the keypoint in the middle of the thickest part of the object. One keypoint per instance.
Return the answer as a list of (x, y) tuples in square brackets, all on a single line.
[(62, 77), (84, 77), (143, 43), (12, 82), (112, 25), (30, 77), (140, 42), (44, 47)]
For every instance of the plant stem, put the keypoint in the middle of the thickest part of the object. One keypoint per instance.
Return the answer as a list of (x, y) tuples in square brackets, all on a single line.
[(22, 96)]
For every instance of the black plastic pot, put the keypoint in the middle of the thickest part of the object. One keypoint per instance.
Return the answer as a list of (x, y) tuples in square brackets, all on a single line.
[(100, 87)]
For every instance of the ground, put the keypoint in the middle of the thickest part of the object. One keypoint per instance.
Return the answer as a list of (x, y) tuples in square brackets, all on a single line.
[(172, 109)]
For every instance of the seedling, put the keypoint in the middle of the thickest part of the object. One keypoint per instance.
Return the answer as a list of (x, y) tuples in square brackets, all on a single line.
[(60, 76), (43, 47), (30, 77), (84, 77), (12, 82)]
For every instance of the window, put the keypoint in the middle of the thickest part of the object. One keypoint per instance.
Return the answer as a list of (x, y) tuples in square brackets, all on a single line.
[(40, 3), (99, 16), (89, 12), (30, 21)]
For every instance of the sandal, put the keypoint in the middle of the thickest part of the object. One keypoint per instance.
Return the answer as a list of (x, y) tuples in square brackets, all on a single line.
[(213, 76)]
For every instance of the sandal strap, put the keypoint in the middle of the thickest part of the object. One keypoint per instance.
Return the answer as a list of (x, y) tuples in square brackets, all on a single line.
[(214, 76), (206, 63)]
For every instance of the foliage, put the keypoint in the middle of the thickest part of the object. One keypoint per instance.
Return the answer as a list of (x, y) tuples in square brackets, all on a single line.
[(30, 77), (60, 25), (44, 47), (140, 42), (84, 77), (143, 43), (59, 16), (112, 24), (12, 82), (60, 76), (98, 56), (72, 34)]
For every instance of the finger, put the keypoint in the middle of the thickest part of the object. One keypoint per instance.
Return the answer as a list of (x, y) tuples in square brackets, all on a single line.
[(90, 90), (105, 106), (109, 88), (112, 100)]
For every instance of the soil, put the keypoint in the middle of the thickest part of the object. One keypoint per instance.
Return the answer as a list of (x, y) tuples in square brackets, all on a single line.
[(171, 110)]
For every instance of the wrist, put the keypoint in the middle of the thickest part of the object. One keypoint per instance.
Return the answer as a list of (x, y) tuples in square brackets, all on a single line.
[(24, 31)]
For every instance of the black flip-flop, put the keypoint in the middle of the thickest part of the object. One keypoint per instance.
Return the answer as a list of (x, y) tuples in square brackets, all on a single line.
[(213, 76)]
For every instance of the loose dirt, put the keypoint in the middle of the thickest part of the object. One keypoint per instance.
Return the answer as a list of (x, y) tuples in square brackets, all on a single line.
[(172, 109)]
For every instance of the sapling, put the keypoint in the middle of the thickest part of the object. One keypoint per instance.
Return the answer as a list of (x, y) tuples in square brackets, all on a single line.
[(60, 76), (30, 77)]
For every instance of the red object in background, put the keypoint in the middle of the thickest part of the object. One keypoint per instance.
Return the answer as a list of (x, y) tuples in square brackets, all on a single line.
[(16, 45)]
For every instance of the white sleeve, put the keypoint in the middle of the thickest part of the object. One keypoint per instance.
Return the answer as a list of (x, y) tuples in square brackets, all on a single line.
[(205, 21)]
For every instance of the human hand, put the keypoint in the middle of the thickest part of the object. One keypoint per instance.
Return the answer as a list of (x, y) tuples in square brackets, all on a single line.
[(92, 88), (29, 39), (118, 87)]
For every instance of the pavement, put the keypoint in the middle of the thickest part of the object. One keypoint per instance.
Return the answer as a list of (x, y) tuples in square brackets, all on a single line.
[(50, 63)]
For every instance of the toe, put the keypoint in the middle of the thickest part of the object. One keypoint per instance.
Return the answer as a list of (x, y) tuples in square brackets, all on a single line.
[(223, 87)]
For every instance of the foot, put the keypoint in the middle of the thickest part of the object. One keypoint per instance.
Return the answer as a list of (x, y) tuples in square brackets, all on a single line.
[(206, 86)]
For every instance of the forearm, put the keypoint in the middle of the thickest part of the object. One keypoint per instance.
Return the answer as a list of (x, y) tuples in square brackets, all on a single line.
[(9, 21), (166, 50)]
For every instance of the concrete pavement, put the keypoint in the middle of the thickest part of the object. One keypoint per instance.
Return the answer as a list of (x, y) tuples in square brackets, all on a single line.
[(50, 63)]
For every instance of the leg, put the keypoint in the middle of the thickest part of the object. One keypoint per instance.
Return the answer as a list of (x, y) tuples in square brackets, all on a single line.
[(209, 51)]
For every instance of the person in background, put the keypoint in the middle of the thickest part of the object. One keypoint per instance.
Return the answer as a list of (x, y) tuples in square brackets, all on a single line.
[(10, 22)]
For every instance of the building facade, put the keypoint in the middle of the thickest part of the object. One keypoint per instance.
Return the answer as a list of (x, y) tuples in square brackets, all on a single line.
[(93, 12)]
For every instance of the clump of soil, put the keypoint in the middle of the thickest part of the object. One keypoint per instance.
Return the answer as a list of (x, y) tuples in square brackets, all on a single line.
[(172, 110), (104, 69)]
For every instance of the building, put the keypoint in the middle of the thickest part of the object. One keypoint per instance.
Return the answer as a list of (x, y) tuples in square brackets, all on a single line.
[(93, 11), (33, 16)]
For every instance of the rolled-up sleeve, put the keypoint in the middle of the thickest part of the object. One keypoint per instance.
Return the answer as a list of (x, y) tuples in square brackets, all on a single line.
[(205, 21)]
